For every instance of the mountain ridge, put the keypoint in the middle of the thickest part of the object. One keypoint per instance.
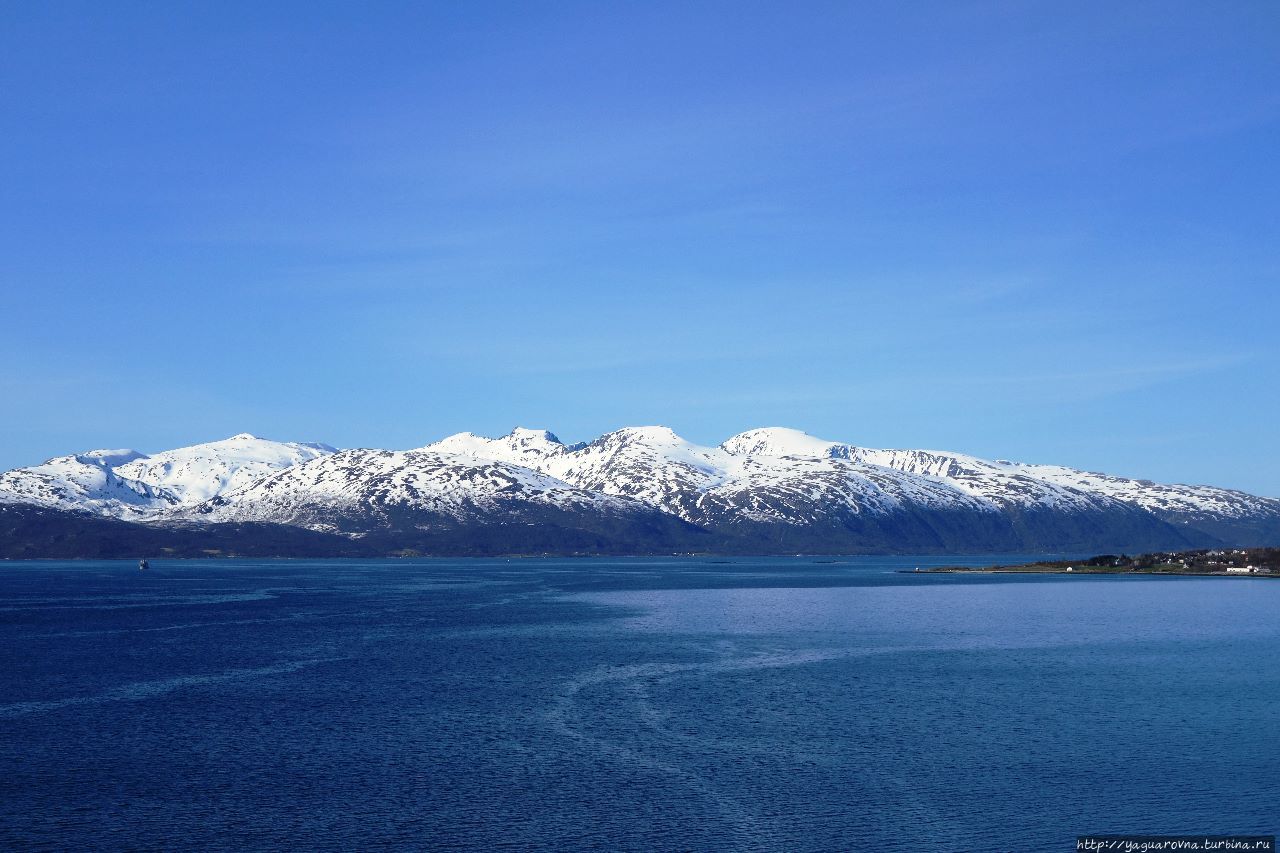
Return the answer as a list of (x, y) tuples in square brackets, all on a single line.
[(766, 490)]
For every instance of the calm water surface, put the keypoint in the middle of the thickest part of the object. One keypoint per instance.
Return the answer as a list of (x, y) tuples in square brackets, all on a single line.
[(779, 704)]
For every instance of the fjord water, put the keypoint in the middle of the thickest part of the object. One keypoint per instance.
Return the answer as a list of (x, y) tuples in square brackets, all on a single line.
[(788, 704)]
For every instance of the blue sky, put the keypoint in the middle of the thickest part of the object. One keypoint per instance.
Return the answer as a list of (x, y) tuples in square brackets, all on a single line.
[(1021, 230)]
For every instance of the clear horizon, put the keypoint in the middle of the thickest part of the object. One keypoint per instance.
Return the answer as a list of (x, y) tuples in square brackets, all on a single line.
[(1000, 230)]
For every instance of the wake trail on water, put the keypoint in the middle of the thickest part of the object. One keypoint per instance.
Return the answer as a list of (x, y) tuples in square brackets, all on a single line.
[(188, 626), (127, 602), (142, 690), (568, 718)]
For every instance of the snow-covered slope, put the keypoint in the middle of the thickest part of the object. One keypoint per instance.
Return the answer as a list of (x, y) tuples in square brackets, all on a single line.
[(997, 483), (133, 485), (1167, 501), (358, 491), (1018, 483), (713, 485), (202, 471), (773, 474), (85, 482), (650, 464)]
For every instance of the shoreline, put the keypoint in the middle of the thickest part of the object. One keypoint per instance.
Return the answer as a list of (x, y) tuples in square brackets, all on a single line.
[(1203, 563), (961, 570)]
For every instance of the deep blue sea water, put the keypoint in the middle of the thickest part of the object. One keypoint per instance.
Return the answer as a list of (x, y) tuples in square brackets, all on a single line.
[(766, 704)]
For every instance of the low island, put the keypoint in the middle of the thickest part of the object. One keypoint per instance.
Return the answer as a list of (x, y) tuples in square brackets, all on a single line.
[(1226, 562)]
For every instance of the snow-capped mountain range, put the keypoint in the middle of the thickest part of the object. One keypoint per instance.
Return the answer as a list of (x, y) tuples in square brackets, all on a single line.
[(132, 485), (765, 490)]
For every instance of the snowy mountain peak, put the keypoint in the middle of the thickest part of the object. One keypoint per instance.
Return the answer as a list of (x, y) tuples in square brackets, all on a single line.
[(457, 440), (201, 471), (644, 435), (777, 441), (521, 446), (533, 435), (110, 458)]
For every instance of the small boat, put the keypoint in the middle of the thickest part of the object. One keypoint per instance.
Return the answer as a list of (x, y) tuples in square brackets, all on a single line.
[(143, 565)]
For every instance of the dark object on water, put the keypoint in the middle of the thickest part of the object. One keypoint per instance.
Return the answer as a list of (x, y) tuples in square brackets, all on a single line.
[(143, 565)]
